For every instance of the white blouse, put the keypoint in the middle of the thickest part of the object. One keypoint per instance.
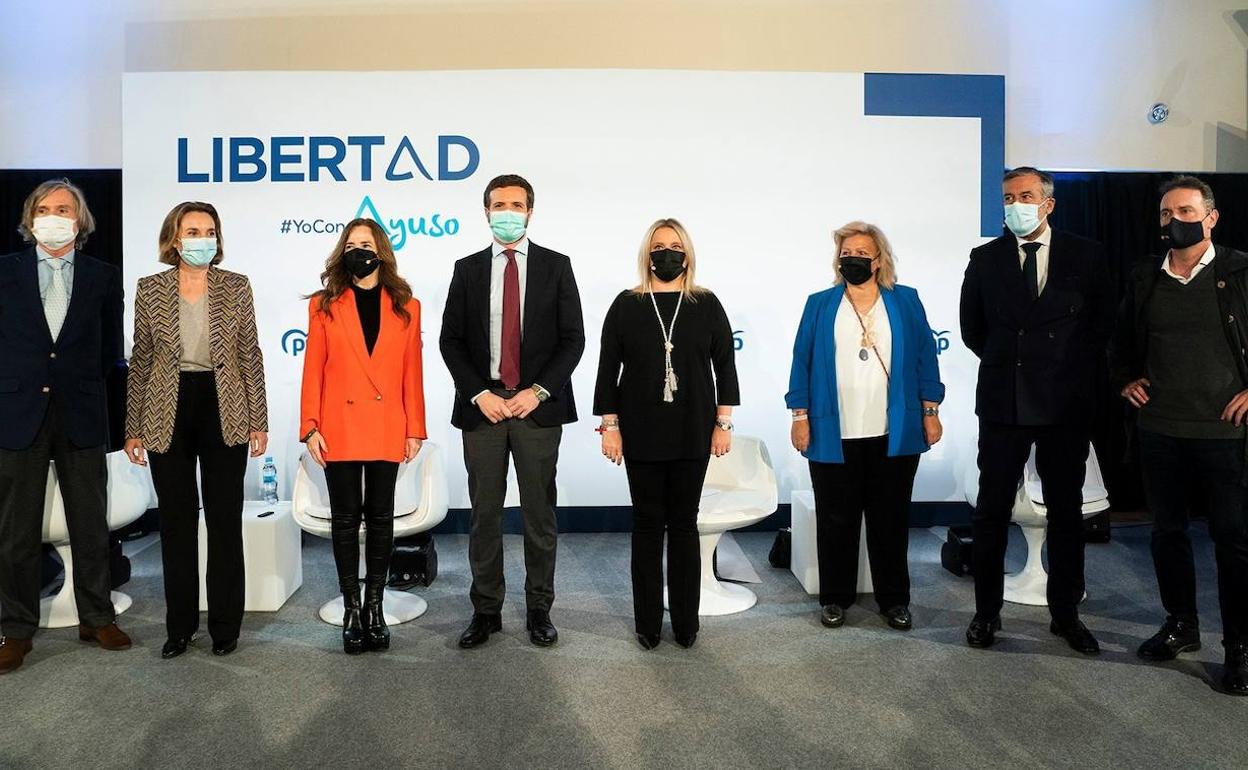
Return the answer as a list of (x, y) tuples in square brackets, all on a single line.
[(862, 388)]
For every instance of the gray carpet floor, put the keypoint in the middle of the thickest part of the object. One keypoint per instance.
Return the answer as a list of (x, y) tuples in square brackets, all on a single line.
[(766, 688)]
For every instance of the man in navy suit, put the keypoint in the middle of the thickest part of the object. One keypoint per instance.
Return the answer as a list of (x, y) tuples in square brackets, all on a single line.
[(512, 334), (60, 334), (1038, 310)]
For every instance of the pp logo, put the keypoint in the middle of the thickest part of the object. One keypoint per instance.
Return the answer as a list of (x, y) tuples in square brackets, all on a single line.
[(942, 341), (294, 341)]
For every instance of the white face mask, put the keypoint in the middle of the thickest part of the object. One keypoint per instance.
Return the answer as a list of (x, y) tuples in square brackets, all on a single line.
[(53, 232)]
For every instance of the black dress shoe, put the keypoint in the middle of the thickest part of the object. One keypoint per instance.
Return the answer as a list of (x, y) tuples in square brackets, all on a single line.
[(175, 647), (1174, 638), (224, 646), (648, 641), (541, 631), (1235, 673), (832, 615), (983, 633), (899, 618), (1077, 636), (479, 630), (687, 640)]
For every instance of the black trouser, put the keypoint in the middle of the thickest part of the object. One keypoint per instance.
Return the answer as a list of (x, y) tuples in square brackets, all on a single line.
[(197, 438), (873, 485), (1178, 471), (665, 497), (1061, 462), (535, 451), (361, 491), (83, 479)]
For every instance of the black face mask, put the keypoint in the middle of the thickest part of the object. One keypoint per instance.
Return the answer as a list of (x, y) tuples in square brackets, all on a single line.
[(668, 264), (361, 262), (1182, 235), (856, 270)]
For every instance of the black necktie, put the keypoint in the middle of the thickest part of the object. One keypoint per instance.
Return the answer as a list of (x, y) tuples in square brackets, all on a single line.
[(1030, 274)]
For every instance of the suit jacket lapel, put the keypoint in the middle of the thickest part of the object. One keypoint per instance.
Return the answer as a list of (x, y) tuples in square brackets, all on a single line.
[(28, 280), (84, 276), (1012, 268), (897, 348), (1056, 272), (827, 337), (215, 297), (534, 280), (485, 263), (349, 322)]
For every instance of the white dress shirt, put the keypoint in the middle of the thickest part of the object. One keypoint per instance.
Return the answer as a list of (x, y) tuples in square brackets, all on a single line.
[(1042, 256), (861, 386), (497, 265), (1205, 259)]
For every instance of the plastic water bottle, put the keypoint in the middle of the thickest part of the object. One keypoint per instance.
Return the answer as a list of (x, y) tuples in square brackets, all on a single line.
[(268, 480)]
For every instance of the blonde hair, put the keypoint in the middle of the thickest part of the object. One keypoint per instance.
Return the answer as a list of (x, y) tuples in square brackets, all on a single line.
[(688, 287), (886, 274), (86, 222)]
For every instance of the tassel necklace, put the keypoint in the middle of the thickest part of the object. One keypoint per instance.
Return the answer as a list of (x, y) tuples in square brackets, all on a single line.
[(669, 374)]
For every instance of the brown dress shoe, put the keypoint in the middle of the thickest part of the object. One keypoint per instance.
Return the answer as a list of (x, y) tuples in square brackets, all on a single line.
[(109, 637), (12, 652)]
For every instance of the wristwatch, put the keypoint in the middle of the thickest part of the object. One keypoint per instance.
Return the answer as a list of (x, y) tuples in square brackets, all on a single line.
[(931, 411), (540, 392), (308, 435), (723, 424)]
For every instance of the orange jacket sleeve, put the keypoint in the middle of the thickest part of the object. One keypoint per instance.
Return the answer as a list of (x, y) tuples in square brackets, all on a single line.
[(413, 377), (314, 355)]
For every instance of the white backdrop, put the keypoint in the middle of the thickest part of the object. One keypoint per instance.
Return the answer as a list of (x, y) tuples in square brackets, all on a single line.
[(761, 167)]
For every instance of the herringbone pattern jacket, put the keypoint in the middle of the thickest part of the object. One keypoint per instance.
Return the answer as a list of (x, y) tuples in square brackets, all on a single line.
[(152, 384)]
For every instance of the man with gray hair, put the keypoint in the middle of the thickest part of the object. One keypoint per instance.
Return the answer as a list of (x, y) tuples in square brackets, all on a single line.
[(1037, 309), (1178, 357), (60, 335)]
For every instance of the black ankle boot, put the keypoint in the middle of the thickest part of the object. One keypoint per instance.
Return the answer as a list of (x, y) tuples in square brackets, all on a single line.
[(352, 629), (377, 634)]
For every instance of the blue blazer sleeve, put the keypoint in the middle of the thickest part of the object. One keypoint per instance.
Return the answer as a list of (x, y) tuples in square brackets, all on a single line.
[(930, 386), (798, 396)]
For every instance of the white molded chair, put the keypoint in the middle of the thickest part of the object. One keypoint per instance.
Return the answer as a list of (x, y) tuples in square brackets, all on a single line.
[(420, 504), (804, 557), (129, 494), (1030, 585), (740, 490)]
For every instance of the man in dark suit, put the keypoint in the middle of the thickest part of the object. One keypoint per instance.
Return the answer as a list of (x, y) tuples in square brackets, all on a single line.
[(511, 336), (1178, 356), (1037, 309), (60, 335)]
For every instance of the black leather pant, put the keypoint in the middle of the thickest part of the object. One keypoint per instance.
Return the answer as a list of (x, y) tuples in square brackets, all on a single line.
[(361, 491)]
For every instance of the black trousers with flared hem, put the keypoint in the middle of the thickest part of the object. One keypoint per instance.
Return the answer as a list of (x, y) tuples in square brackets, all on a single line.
[(665, 501), (197, 441)]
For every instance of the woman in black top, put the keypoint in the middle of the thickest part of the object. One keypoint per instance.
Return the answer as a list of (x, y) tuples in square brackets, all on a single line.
[(664, 415)]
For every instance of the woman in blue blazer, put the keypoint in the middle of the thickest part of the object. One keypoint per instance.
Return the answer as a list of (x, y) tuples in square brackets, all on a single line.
[(864, 389)]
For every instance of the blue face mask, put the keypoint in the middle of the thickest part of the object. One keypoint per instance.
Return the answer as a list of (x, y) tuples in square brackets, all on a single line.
[(508, 226), (1023, 219), (199, 251)]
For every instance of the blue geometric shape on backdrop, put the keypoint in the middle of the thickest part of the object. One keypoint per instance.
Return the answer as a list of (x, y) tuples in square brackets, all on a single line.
[(952, 96)]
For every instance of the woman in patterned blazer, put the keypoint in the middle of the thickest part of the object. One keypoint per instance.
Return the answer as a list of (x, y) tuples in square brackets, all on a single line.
[(195, 392), (362, 412)]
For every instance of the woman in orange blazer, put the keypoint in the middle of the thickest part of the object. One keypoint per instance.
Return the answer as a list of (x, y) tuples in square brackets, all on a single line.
[(363, 412)]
